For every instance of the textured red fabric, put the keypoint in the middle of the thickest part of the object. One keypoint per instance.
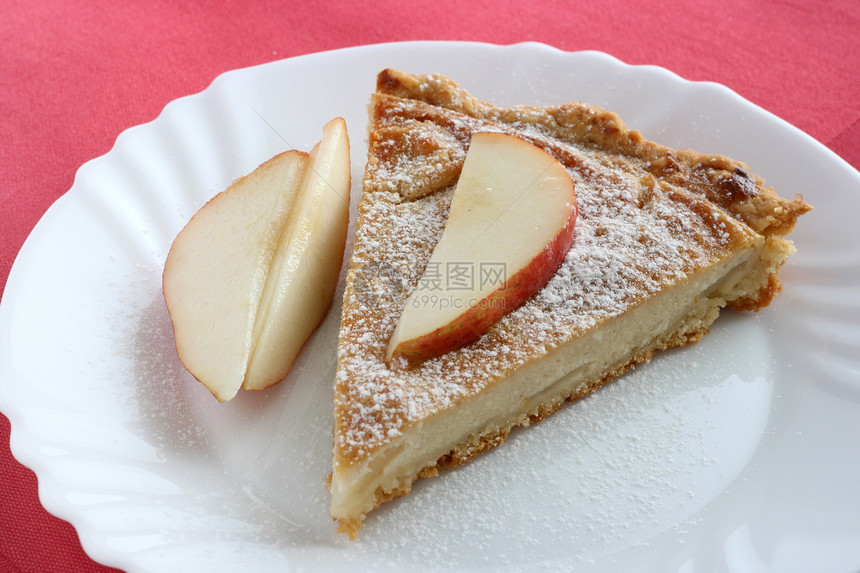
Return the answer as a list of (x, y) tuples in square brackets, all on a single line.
[(75, 74)]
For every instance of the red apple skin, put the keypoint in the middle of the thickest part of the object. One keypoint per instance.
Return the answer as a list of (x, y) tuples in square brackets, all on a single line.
[(477, 319)]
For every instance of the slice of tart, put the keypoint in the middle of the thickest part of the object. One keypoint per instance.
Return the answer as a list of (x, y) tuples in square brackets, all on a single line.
[(664, 239)]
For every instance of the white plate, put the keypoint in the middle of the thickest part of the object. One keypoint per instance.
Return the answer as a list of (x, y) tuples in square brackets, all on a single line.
[(738, 454)]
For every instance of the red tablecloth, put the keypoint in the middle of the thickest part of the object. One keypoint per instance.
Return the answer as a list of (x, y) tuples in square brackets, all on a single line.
[(75, 74)]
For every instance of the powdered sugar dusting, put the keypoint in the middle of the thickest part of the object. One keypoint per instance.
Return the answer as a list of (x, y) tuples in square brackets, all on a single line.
[(633, 237)]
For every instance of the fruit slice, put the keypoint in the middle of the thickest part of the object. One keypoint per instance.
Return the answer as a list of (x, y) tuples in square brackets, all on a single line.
[(510, 225), (304, 274), (238, 276)]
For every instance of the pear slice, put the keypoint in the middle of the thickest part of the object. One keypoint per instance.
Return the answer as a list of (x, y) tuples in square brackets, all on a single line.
[(252, 274), (304, 273), (509, 228)]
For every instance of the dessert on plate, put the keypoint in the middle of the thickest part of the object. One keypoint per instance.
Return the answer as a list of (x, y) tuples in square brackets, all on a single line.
[(663, 240)]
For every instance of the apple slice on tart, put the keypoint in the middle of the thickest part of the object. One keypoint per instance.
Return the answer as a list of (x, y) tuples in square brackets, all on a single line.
[(510, 224)]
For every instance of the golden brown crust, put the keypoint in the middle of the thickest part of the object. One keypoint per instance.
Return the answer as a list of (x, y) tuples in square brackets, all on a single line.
[(724, 181), (761, 299)]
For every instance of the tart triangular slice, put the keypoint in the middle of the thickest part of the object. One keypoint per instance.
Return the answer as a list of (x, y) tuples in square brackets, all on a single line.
[(664, 239)]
